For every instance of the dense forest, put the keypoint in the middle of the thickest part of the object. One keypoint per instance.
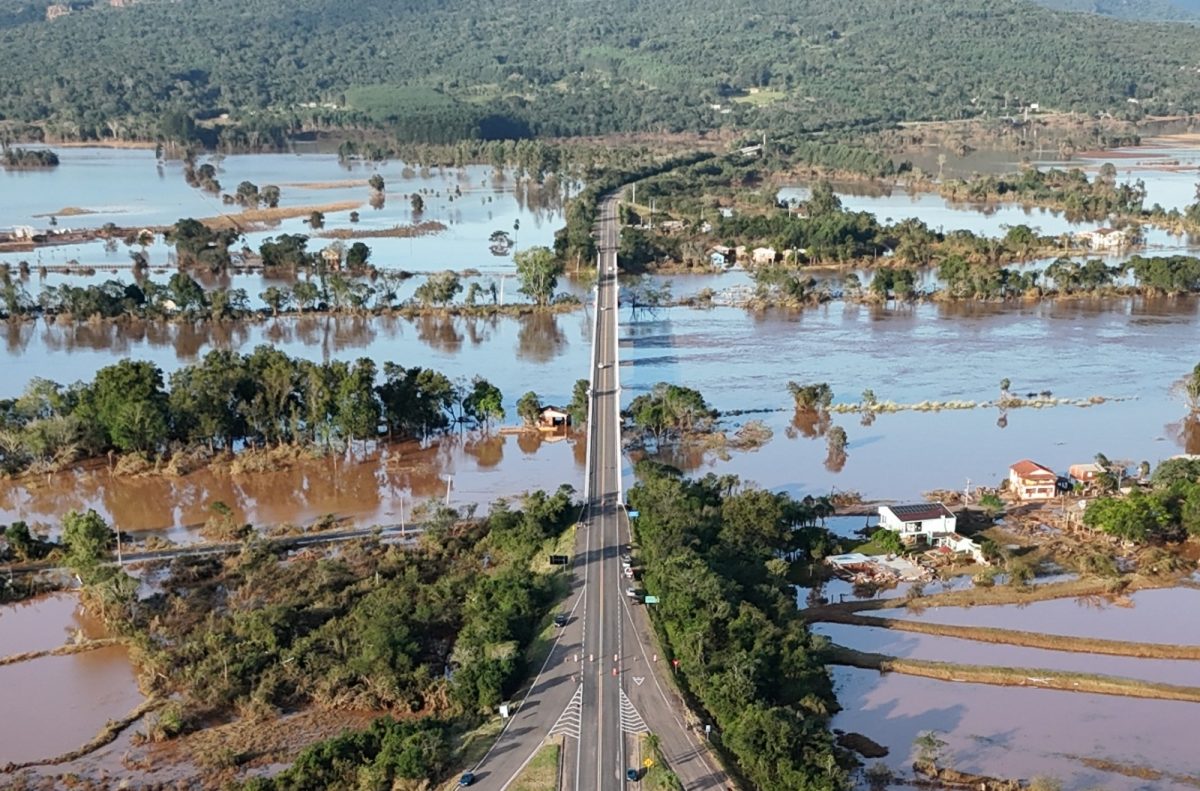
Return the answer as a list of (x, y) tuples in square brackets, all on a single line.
[(1140, 10), (437, 71)]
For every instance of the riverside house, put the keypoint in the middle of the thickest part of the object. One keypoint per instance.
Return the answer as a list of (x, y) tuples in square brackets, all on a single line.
[(1028, 480)]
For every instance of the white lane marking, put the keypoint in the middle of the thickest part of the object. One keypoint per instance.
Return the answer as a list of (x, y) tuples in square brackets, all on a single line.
[(639, 680), (570, 721), (631, 721)]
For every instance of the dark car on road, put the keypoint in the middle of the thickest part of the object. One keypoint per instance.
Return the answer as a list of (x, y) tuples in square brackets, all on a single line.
[(467, 779), (562, 619)]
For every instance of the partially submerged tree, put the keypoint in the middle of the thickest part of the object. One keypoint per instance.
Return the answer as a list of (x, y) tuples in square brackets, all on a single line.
[(811, 396), (529, 408), (538, 270)]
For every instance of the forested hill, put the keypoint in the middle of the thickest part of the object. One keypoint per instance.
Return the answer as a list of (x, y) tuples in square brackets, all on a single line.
[(440, 69), (1139, 10)]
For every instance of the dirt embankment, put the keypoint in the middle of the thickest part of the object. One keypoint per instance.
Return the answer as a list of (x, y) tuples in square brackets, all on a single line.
[(1052, 642), (1012, 676)]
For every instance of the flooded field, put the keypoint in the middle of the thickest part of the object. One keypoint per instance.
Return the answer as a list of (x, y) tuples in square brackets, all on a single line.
[(939, 214), (969, 652), (543, 352), (129, 188), (1021, 732), (43, 623), (1148, 616), (55, 704), (382, 489), (1124, 349)]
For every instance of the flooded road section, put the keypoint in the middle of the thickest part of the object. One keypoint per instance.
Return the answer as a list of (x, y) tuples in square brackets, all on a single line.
[(1148, 616), (1121, 349), (1022, 732), (969, 652)]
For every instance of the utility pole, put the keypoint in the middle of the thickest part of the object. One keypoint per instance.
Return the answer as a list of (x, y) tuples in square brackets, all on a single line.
[(449, 479)]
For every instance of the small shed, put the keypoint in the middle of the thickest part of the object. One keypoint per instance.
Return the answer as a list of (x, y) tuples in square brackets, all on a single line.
[(551, 418), (332, 257)]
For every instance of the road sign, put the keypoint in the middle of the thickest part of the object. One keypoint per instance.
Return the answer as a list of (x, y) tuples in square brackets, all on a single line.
[(650, 600), (649, 762), (633, 514), (560, 560)]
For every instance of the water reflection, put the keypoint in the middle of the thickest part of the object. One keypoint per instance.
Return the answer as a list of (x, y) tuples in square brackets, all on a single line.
[(378, 488), (1125, 349), (460, 346)]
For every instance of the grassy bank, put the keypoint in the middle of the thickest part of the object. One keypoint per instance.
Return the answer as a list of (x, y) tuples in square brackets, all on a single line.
[(1012, 676), (541, 774)]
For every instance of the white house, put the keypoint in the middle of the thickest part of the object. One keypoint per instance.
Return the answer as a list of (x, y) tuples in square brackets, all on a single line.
[(764, 255), (1105, 239), (920, 522)]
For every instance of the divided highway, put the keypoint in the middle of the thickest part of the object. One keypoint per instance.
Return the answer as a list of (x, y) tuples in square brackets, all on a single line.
[(602, 686)]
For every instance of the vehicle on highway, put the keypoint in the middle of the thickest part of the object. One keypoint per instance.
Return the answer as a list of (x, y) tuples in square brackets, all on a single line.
[(631, 593), (632, 775), (561, 619), (628, 572), (467, 779)]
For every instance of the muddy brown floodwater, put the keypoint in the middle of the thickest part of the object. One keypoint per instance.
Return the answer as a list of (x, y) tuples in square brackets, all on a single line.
[(44, 622), (383, 488), (55, 704)]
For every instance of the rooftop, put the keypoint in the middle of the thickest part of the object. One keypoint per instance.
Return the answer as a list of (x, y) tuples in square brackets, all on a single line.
[(919, 512), (1031, 469)]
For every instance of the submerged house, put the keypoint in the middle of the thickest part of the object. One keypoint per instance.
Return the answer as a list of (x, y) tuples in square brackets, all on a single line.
[(1028, 480), (551, 418)]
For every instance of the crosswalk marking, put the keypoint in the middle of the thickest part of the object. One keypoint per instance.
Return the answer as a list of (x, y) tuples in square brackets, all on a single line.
[(631, 721), (568, 723)]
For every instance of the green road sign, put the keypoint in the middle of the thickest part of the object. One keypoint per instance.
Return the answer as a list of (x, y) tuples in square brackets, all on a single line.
[(651, 600)]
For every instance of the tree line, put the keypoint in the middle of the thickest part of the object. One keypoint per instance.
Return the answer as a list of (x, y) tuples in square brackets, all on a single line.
[(714, 554), (229, 400)]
